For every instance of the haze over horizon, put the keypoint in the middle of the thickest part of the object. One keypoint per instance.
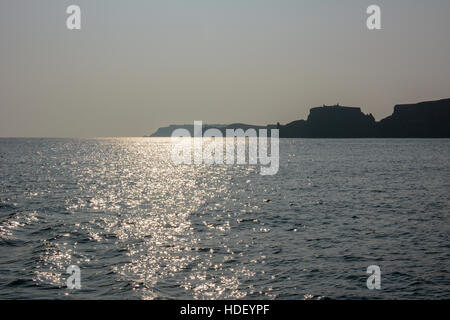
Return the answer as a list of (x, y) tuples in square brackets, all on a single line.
[(139, 65)]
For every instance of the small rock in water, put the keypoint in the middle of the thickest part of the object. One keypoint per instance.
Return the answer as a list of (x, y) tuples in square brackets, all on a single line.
[(267, 200)]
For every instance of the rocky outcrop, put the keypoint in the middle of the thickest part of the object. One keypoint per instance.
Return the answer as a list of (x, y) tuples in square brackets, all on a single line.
[(331, 122), (422, 120)]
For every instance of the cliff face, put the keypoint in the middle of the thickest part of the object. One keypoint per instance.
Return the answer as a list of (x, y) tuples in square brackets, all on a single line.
[(340, 122), (422, 120), (331, 122)]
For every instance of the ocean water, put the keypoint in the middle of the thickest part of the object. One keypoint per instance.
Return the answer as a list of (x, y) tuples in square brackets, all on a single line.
[(140, 227)]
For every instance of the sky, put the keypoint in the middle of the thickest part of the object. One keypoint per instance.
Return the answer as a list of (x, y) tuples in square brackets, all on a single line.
[(137, 65)]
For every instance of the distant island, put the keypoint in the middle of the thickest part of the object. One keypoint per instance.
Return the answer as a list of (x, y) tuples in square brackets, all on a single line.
[(430, 119)]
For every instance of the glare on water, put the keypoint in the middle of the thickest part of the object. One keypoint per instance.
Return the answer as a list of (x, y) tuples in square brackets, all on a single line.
[(141, 227)]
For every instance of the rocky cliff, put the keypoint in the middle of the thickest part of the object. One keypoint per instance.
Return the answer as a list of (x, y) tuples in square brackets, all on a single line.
[(422, 120)]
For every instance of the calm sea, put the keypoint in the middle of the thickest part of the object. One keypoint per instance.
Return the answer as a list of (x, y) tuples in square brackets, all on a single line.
[(140, 227)]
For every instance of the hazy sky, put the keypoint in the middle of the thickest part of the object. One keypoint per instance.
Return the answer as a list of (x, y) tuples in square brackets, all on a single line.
[(138, 65)]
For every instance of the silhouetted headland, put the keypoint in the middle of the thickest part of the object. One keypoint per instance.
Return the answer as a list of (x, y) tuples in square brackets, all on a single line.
[(429, 119), (422, 120), (167, 131)]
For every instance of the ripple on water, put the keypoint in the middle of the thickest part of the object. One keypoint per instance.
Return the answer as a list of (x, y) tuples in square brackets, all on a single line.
[(140, 227)]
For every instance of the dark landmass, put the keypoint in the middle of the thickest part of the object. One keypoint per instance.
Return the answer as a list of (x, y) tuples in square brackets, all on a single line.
[(331, 122), (167, 131), (422, 120)]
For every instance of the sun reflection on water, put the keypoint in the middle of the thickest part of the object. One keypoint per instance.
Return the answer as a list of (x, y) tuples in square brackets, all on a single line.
[(166, 224)]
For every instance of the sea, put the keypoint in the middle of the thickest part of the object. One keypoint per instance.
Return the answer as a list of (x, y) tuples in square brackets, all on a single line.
[(138, 226)]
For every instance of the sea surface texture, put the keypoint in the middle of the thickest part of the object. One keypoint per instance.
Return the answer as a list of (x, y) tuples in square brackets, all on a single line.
[(140, 227)]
